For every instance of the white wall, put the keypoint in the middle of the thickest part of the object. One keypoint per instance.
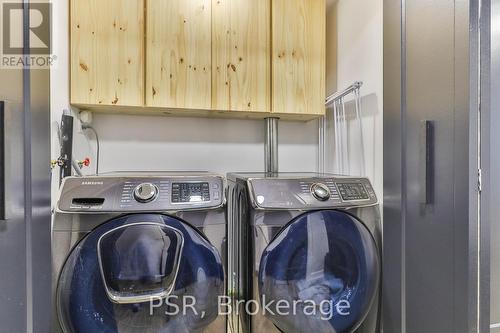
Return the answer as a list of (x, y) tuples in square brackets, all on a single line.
[(159, 143), (221, 145), (355, 53)]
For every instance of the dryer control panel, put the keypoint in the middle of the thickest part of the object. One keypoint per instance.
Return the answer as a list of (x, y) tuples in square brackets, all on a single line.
[(311, 193), (141, 193)]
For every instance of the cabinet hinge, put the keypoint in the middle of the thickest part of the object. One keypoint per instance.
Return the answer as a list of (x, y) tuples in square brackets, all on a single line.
[(479, 180)]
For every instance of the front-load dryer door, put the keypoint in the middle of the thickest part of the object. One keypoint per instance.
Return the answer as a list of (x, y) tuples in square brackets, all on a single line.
[(140, 273), (320, 274)]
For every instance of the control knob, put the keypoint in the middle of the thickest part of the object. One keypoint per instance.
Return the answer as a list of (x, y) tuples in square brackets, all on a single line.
[(320, 191), (145, 192)]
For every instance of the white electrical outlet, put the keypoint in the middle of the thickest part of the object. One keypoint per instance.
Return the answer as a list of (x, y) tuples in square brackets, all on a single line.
[(85, 118)]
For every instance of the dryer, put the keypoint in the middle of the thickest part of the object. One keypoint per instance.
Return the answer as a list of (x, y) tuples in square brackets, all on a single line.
[(304, 254), (139, 253)]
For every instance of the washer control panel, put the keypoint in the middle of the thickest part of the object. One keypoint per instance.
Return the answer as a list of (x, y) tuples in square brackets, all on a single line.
[(311, 193), (320, 191), (139, 193), (131, 194), (145, 192), (190, 192), (353, 191)]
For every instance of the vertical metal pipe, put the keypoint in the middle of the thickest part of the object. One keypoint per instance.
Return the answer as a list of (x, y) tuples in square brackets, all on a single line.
[(271, 146), (321, 144)]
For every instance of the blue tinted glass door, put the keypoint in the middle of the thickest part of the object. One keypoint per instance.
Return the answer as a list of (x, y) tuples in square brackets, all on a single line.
[(137, 273), (320, 274)]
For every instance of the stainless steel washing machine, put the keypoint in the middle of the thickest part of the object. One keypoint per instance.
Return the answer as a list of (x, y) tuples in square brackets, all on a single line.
[(140, 253), (304, 254)]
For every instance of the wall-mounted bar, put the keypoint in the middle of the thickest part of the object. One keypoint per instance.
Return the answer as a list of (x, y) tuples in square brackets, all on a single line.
[(338, 95), (271, 146)]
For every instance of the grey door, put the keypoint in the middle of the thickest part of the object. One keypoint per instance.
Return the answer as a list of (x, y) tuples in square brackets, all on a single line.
[(429, 166)]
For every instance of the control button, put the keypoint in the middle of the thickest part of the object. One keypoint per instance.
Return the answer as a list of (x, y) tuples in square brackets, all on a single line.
[(145, 192), (216, 195), (320, 191), (261, 199)]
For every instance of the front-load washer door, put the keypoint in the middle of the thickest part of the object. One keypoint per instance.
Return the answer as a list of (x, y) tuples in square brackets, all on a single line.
[(320, 274), (140, 273)]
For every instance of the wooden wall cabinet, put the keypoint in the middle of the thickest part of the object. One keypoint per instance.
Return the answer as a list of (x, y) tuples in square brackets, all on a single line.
[(298, 59), (241, 46), (199, 57), (107, 52), (178, 52)]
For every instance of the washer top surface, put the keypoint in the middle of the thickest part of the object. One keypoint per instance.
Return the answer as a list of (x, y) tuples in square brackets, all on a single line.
[(141, 192), (153, 174)]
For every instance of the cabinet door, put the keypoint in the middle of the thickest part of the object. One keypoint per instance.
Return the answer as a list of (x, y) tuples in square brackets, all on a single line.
[(298, 60), (241, 77), (178, 54), (107, 52), (430, 167)]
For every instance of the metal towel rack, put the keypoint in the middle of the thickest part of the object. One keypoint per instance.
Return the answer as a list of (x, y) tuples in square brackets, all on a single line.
[(356, 86), (341, 137)]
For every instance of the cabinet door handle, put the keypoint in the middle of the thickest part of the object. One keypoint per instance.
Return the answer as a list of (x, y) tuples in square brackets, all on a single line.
[(426, 167)]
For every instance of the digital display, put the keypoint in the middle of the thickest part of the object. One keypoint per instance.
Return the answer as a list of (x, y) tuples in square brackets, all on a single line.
[(353, 191), (190, 192)]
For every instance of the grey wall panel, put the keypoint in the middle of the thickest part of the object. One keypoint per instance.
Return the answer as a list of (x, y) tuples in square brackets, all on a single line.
[(393, 291), (25, 288), (494, 166), (40, 248), (480, 145), (13, 229)]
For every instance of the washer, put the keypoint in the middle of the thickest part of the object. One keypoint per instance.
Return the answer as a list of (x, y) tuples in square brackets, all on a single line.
[(133, 252), (307, 247)]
